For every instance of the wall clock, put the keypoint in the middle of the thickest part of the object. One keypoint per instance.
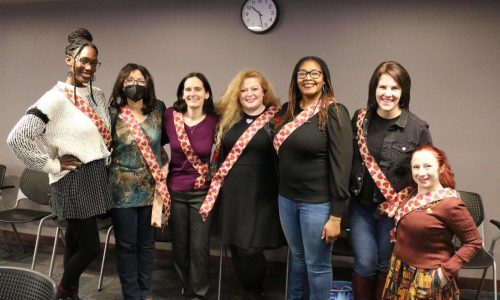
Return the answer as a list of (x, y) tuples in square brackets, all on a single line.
[(259, 16)]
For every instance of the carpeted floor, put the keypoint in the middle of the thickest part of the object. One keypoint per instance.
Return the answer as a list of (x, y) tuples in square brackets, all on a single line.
[(166, 284)]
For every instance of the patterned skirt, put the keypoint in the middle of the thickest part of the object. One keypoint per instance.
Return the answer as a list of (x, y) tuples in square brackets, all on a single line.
[(82, 193), (405, 282)]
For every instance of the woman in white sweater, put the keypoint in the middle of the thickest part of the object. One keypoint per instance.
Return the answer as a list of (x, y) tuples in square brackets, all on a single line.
[(76, 137)]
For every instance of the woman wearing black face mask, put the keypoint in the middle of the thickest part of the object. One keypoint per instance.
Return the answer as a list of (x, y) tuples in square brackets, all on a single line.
[(134, 176)]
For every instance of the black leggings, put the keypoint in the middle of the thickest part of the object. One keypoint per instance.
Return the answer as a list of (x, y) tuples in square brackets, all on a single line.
[(250, 265), (82, 247)]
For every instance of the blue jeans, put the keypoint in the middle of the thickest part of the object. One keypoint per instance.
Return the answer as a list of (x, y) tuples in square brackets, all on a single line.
[(135, 250), (370, 236), (310, 256)]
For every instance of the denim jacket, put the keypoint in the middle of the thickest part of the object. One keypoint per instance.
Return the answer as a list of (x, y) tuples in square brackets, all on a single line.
[(401, 139)]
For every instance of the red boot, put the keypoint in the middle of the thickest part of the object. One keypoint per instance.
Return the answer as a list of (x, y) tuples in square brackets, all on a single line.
[(363, 287), (380, 284)]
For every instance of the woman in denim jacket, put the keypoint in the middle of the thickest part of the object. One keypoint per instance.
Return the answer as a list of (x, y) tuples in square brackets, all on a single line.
[(392, 132)]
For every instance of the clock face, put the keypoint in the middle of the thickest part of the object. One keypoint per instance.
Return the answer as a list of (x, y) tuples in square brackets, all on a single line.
[(259, 16)]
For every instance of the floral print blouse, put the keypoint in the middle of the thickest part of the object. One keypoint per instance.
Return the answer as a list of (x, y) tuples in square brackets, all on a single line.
[(131, 182)]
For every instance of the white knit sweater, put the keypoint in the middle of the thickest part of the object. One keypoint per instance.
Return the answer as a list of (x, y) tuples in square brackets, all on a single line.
[(62, 128)]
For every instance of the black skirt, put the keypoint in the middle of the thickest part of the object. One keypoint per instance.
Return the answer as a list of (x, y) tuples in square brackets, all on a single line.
[(82, 193)]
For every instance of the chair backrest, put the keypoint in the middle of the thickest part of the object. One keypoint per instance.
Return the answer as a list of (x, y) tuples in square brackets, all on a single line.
[(24, 284), (474, 205), (35, 186)]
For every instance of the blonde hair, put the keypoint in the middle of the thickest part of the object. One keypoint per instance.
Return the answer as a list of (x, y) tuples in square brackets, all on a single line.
[(229, 107)]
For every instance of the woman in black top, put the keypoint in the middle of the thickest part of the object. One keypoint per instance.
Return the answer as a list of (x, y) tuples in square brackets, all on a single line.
[(247, 202), (392, 133), (314, 166)]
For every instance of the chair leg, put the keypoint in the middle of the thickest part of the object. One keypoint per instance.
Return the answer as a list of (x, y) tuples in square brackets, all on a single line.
[(495, 291), (287, 271), (108, 234), (38, 233), (52, 259), (4, 238), (221, 256), (18, 238)]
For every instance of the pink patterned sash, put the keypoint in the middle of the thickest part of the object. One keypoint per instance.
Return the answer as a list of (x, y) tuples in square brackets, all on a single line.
[(419, 201), (231, 159), (298, 121), (392, 198), (88, 111), (148, 154), (187, 149)]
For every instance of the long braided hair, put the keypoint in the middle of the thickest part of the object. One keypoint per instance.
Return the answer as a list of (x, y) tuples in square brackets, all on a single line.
[(77, 40), (294, 94)]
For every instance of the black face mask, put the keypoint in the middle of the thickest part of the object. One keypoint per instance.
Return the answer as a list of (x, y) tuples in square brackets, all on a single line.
[(135, 92)]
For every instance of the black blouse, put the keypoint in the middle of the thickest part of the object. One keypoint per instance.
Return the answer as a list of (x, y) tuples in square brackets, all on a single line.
[(314, 166)]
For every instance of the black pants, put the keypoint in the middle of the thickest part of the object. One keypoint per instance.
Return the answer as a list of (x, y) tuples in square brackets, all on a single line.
[(82, 246), (190, 242), (251, 266)]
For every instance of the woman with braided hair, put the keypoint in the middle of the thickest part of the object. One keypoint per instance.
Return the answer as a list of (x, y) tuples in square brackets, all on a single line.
[(71, 120), (314, 149)]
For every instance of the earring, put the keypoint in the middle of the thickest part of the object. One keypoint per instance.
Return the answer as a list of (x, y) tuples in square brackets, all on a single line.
[(119, 100), (70, 73)]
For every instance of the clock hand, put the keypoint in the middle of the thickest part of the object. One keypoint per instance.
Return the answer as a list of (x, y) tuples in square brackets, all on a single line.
[(260, 14)]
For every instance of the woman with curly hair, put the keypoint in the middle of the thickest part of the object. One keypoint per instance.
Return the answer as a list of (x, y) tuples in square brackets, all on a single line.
[(247, 205)]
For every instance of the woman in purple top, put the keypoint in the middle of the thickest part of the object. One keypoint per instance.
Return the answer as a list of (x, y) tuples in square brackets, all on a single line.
[(194, 110)]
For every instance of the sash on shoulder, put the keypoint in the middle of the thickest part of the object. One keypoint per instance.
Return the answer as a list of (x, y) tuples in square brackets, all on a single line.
[(187, 149), (419, 201), (88, 111), (392, 198), (148, 154), (298, 121), (231, 158)]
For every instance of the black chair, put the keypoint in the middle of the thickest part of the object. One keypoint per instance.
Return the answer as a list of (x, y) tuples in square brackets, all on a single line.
[(484, 258), (109, 227), (33, 187), (4, 187), (24, 284), (2, 177)]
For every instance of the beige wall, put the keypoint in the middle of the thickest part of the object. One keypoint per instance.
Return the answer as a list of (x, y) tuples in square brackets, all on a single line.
[(451, 49)]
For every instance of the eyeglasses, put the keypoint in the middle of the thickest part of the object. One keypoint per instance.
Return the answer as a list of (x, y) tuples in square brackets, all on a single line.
[(93, 63), (303, 74), (132, 81)]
